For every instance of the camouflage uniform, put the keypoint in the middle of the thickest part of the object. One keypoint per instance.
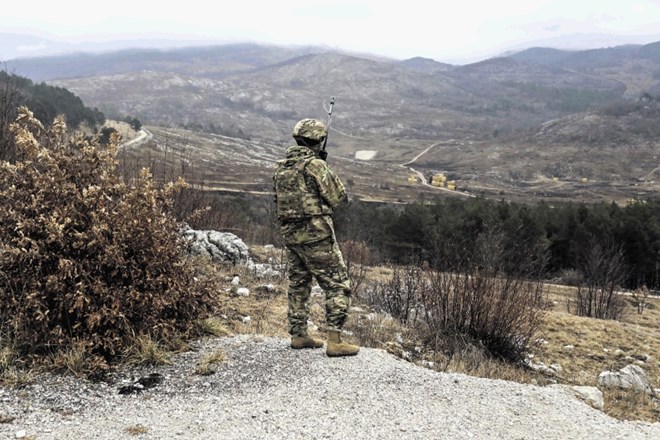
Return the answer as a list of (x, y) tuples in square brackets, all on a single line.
[(306, 192)]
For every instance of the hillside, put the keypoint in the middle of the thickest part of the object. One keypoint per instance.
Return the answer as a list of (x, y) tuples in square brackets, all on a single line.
[(496, 117)]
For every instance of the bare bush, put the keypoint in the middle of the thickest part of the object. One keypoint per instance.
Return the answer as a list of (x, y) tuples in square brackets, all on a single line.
[(357, 257), (399, 295), (86, 259), (641, 298), (479, 301), (602, 270)]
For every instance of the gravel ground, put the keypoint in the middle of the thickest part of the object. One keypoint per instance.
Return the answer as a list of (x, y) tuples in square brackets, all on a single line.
[(267, 391)]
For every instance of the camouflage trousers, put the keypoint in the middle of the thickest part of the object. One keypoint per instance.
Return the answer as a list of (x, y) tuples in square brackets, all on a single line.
[(321, 260)]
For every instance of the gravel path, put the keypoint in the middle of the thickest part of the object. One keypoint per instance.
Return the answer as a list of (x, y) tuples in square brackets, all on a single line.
[(268, 391)]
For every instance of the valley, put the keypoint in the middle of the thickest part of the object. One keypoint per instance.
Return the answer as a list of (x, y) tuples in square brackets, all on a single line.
[(540, 124)]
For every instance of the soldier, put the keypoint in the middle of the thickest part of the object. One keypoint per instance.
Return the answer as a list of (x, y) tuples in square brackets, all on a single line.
[(306, 192)]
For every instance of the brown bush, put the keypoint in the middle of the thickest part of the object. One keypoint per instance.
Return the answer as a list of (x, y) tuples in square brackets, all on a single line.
[(85, 259)]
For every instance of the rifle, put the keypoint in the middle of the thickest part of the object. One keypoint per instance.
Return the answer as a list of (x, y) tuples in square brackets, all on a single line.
[(324, 154)]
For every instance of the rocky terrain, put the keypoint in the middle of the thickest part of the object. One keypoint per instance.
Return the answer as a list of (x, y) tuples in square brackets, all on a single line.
[(266, 390)]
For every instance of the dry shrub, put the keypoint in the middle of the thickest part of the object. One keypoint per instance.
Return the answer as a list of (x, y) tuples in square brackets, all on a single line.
[(602, 270), (357, 257), (376, 329), (85, 258), (641, 298), (481, 301), (400, 293), (631, 405)]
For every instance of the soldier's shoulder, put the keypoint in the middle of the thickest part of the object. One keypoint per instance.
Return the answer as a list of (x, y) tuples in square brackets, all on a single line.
[(317, 164)]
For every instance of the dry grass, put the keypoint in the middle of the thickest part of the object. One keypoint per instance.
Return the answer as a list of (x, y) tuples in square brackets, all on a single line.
[(208, 361), (136, 430), (585, 347), (146, 351), (72, 360), (12, 372), (630, 405), (213, 326), (17, 377)]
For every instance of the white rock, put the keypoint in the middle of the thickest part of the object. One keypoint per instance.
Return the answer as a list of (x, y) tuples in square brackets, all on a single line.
[(557, 368), (219, 246), (236, 281), (264, 271), (631, 377), (243, 291), (569, 347), (21, 434), (592, 395), (247, 320)]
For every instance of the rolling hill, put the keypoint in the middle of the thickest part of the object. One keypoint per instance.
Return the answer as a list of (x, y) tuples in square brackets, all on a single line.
[(506, 124)]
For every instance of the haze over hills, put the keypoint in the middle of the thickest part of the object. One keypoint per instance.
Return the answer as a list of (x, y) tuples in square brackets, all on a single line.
[(575, 101)]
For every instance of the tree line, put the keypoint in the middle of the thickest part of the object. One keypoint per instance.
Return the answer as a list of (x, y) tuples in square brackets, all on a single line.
[(566, 238), (45, 101)]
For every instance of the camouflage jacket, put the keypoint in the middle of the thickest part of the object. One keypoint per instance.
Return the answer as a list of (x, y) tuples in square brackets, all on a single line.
[(306, 192)]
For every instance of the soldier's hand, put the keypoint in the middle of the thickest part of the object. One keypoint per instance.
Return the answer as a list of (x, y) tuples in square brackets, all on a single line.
[(323, 154)]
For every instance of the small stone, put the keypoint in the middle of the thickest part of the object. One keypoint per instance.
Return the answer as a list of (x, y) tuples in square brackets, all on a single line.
[(243, 291), (246, 320), (569, 347), (20, 434), (236, 281)]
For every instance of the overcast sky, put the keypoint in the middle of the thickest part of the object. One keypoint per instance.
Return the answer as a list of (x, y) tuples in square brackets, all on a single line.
[(455, 31)]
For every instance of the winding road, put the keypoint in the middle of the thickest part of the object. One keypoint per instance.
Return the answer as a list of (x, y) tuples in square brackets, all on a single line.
[(421, 176)]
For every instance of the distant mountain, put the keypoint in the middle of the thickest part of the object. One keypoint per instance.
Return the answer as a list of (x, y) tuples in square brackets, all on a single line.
[(256, 90), (541, 55), (589, 59), (425, 65), (210, 61), (16, 45)]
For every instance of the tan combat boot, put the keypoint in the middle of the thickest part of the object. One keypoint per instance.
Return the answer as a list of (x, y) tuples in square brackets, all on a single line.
[(305, 341), (336, 347)]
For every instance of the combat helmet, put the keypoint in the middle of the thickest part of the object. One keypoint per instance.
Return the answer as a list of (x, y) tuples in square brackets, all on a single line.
[(310, 129)]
